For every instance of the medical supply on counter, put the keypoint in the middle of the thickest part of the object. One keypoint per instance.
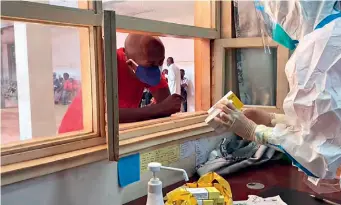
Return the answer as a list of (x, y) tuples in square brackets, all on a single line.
[(209, 187), (155, 196), (204, 193), (256, 200), (205, 202), (220, 200), (213, 112)]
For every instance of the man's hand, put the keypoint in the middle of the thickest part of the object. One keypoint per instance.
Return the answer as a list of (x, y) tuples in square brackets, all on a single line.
[(171, 105)]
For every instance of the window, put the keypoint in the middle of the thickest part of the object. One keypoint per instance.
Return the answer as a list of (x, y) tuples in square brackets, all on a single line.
[(158, 10), (73, 43), (253, 71), (184, 40), (42, 76), (49, 54)]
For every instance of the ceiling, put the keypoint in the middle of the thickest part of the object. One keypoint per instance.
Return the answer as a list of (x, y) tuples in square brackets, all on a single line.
[(170, 11)]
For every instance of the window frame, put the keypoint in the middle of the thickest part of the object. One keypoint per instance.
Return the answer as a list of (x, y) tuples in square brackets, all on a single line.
[(225, 69), (48, 155), (22, 161), (220, 60), (169, 130)]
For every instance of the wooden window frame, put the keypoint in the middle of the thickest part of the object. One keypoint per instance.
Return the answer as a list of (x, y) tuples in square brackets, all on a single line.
[(134, 137), (223, 70), (20, 161), (44, 156), (227, 69)]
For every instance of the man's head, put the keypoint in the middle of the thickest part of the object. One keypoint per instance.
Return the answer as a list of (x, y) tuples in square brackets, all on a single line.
[(66, 76), (170, 61), (165, 72), (146, 53), (182, 73)]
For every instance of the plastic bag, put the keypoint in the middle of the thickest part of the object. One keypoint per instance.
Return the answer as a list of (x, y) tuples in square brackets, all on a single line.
[(180, 196)]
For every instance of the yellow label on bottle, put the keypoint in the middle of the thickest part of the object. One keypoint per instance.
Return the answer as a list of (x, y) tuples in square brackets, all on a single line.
[(229, 96), (235, 100)]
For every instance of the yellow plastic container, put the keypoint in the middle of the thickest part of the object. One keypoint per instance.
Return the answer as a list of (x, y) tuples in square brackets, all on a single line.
[(213, 112)]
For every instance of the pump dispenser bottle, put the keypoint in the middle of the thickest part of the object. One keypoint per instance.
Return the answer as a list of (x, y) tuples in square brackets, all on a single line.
[(155, 196)]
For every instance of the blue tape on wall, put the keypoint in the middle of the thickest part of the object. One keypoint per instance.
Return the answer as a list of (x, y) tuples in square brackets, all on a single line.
[(128, 169)]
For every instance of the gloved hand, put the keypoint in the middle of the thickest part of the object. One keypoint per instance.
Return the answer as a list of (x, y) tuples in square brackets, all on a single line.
[(279, 119), (260, 117), (232, 120)]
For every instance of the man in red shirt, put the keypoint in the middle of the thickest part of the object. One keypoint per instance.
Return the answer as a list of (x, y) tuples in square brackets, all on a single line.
[(138, 66)]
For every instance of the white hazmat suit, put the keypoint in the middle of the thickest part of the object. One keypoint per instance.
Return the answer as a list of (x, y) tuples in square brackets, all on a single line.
[(310, 131)]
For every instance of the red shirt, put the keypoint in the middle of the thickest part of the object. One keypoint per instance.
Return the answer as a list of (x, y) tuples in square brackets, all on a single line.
[(68, 85), (130, 90)]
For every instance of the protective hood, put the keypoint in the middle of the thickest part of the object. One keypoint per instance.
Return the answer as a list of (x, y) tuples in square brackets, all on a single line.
[(287, 22)]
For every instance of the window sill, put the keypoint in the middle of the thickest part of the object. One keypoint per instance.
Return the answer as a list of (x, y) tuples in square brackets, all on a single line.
[(147, 135)]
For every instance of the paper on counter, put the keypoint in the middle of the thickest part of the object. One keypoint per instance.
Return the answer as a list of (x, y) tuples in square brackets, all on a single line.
[(201, 151), (187, 149), (256, 200), (165, 156)]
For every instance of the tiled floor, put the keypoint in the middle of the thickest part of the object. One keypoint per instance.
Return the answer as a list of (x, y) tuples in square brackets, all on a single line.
[(10, 123)]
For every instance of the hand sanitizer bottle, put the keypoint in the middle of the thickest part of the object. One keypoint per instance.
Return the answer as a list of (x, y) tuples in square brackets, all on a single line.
[(155, 196)]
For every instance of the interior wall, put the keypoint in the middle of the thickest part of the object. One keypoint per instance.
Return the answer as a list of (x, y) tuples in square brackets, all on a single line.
[(92, 184)]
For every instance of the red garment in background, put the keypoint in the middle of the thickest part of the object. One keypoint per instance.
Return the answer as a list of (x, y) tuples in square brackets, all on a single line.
[(68, 85), (73, 118), (130, 90)]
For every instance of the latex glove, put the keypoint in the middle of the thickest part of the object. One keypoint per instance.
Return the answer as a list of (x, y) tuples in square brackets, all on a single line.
[(260, 117), (232, 120), (279, 119)]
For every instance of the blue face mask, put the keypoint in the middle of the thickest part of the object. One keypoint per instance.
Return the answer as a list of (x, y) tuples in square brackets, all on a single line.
[(149, 75)]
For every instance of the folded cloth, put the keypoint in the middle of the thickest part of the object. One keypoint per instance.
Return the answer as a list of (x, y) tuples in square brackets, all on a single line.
[(233, 154)]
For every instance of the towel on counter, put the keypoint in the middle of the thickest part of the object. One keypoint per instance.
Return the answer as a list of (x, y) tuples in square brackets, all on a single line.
[(234, 153)]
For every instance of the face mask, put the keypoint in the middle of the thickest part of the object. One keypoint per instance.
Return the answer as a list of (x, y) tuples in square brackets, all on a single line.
[(149, 75)]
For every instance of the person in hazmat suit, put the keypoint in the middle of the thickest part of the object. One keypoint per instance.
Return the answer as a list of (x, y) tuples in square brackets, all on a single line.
[(309, 132)]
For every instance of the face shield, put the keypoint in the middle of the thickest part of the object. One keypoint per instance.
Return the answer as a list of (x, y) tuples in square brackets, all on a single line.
[(286, 22)]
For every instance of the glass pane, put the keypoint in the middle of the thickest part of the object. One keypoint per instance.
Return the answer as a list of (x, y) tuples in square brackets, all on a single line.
[(180, 12), (81, 4), (257, 76), (245, 18), (134, 93), (41, 73)]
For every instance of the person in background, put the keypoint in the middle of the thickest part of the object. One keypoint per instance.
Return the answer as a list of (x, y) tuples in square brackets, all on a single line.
[(57, 88), (174, 80), (165, 74), (146, 98), (67, 89), (184, 89), (138, 67), (56, 83)]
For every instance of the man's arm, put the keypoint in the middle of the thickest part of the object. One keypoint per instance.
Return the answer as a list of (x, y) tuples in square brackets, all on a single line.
[(148, 112), (140, 114), (160, 94)]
